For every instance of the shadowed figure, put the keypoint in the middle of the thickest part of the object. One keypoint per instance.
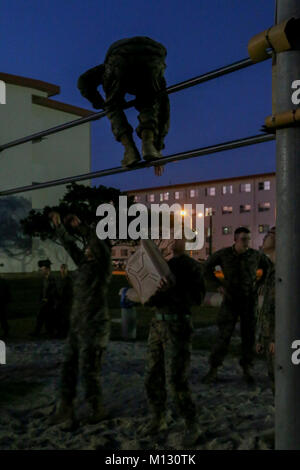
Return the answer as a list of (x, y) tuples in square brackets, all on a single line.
[(135, 66)]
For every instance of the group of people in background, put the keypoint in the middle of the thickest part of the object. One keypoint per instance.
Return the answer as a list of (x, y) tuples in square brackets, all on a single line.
[(54, 302)]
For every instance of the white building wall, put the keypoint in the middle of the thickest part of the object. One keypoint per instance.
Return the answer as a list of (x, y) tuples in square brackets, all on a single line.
[(64, 154)]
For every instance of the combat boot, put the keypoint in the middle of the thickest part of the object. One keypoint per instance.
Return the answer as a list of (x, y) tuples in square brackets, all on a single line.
[(156, 424), (63, 415), (131, 154), (191, 434), (211, 376), (149, 151)]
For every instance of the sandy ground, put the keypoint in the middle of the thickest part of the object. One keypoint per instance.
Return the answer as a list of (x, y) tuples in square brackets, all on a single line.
[(231, 415)]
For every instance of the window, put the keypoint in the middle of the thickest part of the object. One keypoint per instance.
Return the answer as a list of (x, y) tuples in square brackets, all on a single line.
[(263, 228), (245, 187), (264, 206), (264, 185), (209, 211), (137, 198), (226, 230), (166, 196), (177, 195), (227, 210), (151, 197), (210, 191), (161, 197), (227, 189), (245, 208), (124, 252), (192, 193)]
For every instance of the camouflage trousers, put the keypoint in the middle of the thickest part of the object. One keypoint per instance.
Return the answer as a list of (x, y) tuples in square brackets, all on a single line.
[(83, 357), (167, 364), (47, 316), (270, 359), (144, 79), (228, 316)]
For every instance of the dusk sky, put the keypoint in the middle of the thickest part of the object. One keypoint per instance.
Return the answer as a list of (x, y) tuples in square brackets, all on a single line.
[(57, 40)]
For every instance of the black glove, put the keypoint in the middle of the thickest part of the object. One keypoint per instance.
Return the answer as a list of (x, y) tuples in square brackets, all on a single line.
[(98, 102)]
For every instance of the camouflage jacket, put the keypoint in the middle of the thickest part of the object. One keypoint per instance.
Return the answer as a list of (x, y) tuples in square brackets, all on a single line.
[(188, 290), (266, 315), (239, 270), (137, 47), (91, 280), (48, 293)]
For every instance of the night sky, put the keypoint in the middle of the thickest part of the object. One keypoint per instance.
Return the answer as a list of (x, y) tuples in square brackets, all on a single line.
[(57, 40)]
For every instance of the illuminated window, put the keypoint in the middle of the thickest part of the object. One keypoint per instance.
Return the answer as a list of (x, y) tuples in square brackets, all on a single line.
[(226, 230), (137, 198), (166, 196), (209, 211), (263, 228), (264, 206), (210, 191), (151, 197), (161, 197), (245, 208), (192, 193), (177, 195), (264, 185), (227, 210), (245, 188), (227, 189)]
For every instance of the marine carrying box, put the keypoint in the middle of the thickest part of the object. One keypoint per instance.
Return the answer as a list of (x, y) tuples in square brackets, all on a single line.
[(145, 269)]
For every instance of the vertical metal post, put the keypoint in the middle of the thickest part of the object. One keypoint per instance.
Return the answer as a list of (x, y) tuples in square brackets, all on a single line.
[(210, 233), (287, 402)]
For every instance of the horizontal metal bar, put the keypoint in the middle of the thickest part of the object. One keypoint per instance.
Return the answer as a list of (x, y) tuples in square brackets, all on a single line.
[(241, 64), (200, 152), (172, 89)]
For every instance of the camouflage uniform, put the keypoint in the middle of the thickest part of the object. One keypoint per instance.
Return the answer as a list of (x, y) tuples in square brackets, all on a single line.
[(47, 309), (89, 321), (266, 320), (240, 299), (136, 66), (5, 297), (170, 339)]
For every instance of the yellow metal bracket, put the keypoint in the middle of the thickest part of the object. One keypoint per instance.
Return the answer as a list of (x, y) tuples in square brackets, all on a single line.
[(279, 38), (286, 119)]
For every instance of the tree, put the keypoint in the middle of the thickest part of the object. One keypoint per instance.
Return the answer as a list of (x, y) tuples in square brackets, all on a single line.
[(80, 200), (13, 241)]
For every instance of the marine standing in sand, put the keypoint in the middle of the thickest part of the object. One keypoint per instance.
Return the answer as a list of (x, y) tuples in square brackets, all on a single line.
[(170, 343), (89, 323)]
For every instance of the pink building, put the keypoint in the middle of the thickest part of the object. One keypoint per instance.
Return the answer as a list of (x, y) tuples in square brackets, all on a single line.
[(233, 202)]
